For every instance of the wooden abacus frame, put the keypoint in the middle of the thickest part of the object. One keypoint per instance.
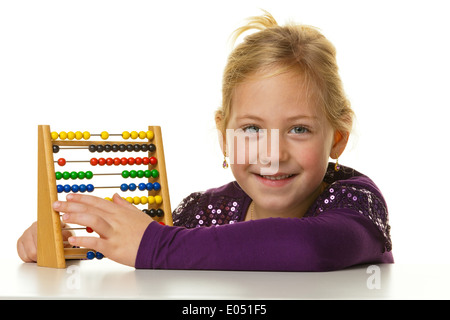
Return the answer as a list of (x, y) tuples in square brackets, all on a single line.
[(50, 246)]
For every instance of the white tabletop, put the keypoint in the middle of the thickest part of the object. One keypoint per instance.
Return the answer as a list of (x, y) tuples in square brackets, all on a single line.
[(105, 279)]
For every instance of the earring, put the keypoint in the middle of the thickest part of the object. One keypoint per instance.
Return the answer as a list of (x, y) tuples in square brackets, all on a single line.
[(336, 165), (225, 163)]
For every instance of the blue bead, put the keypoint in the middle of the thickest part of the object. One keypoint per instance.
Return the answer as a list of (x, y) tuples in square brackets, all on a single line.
[(83, 188), (156, 186), (67, 188), (75, 188), (60, 188), (149, 186), (142, 186), (90, 255), (132, 186), (99, 255), (124, 187), (90, 188)]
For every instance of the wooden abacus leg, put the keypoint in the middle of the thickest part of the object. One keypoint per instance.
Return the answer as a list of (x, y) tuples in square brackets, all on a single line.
[(50, 249)]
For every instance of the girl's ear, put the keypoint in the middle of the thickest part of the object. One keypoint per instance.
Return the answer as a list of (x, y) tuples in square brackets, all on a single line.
[(339, 143)]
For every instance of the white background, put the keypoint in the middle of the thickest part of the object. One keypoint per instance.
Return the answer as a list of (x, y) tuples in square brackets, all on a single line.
[(123, 65)]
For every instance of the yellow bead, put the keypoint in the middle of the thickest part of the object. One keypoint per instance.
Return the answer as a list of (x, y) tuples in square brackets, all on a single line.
[(108, 198), (134, 134), (129, 199), (144, 200), (70, 135), (158, 199), (86, 135), (55, 135), (136, 200), (151, 200), (142, 134), (104, 135), (78, 135), (150, 135), (63, 135), (125, 135)]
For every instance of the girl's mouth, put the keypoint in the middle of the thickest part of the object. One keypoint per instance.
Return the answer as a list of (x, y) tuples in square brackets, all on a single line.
[(278, 180)]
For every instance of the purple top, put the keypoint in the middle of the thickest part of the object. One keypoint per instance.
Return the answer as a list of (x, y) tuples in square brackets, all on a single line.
[(347, 225)]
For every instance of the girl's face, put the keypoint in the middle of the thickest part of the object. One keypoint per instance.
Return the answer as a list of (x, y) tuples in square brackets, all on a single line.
[(281, 105)]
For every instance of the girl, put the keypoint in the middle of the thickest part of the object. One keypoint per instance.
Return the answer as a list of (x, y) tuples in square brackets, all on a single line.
[(289, 209)]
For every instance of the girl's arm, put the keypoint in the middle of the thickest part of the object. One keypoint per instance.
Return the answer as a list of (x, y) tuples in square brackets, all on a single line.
[(334, 240)]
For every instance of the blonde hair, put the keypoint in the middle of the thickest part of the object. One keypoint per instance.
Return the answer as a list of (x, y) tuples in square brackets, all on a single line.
[(299, 48)]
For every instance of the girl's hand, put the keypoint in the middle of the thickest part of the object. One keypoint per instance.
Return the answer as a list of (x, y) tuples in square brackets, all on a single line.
[(27, 243), (119, 224)]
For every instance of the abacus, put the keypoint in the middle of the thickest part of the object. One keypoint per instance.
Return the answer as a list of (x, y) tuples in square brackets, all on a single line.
[(150, 176)]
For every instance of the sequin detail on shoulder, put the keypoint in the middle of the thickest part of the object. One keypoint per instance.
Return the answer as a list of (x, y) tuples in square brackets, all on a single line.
[(201, 210), (358, 198)]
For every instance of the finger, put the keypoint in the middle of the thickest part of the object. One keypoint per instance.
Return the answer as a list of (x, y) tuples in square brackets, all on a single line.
[(88, 242), (26, 256), (94, 221), (90, 201), (122, 202)]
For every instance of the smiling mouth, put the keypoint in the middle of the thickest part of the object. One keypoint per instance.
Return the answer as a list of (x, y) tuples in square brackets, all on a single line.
[(275, 181), (275, 178)]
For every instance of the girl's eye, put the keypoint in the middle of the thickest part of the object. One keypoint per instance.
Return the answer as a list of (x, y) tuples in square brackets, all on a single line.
[(251, 129), (299, 130)]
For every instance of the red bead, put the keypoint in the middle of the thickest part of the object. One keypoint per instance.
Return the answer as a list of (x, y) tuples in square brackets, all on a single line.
[(61, 162), (94, 162), (153, 161), (89, 230), (145, 160), (102, 161), (130, 161), (138, 160), (116, 161), (124, 161), (109, 161), (162, 223)]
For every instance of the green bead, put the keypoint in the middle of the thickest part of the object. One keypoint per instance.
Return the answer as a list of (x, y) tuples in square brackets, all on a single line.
[(155, 173), (89, 175), (125, 173), (66, 175), (81, 175), (58, 175), (140, 174), (73, 175), (147, 173), (133, 174)]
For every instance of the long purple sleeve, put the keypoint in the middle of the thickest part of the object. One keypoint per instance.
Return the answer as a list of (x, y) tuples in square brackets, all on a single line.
[(336, 239)]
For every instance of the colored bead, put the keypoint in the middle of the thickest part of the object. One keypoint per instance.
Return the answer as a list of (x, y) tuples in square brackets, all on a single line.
[(131, 161), (138, 161), (144, 200), (78, 135), (86, 135), (151, 147), (125, 135), (149, 186), (63, 135), (125, 174), (124, 187), (83, 188), (124, 161), (158, 199), (140, 174), (89, 230), (90, 188), (108, 198), (147, 173), (144, 147), (104, 135), (81, 175), (142, 134), (116, 161), (122, 147), (70, 135), (99, 255), (155, 173), (151, 199), (129, 199), (145, 160), (89, 175), (160, 213), (73, 175), (108, 148), (130, 148), (133, 174), (92, 148), (101, 161), (134, 135), (136, 200), (60, 188), (142, 186), (109, 161), (67, 188), (90, 255), (132, 186), (150, 135), (100, 148), (156, 186), (61, 162), (93, 162), (153, 161), (55, 149), (66, 175), (75, 188), (54, 135), (115, 148), (58, 175)]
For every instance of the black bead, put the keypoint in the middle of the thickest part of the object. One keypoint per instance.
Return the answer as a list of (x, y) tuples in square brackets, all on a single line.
[(92, 148), (100, 148), (144, 147), (137, 147), (122, 147), (152, 213), (151, 147), (160, 213), (130, 147), (55, 149), (107, 148), (115, 148)]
